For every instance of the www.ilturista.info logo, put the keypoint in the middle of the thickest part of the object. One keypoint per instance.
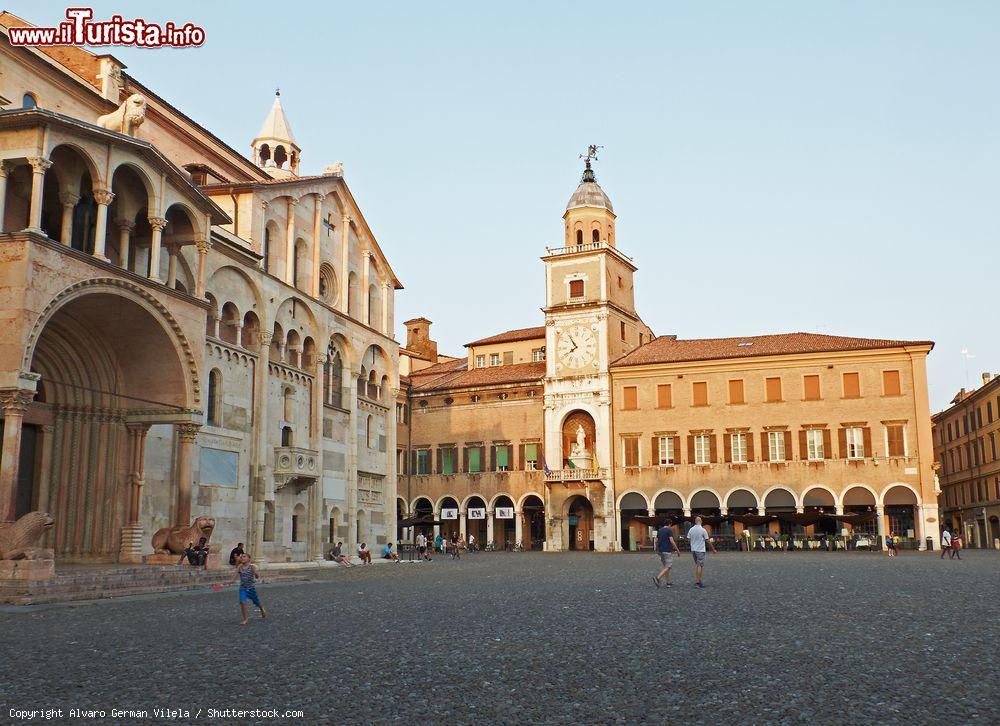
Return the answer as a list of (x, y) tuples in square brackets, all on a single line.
[(80, 29)]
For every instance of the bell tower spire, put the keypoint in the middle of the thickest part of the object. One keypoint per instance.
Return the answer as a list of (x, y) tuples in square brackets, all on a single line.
[(589, 216), (274, 148)]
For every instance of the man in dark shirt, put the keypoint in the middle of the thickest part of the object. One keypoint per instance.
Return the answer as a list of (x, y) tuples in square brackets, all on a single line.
[(666, 547), (234, 556)]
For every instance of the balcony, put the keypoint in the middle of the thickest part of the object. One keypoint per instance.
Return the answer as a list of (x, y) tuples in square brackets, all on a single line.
[(588, 247), (559, 475), (292, 464)]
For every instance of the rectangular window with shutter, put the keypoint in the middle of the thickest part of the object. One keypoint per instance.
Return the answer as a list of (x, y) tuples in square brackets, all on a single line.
[(776, 445), (665, 450), (631, 450), (702, 449), (475, 459), (530, 457), (448, 457), (815, 449), (810, 388), (503, 457), (699, 393), (895, 440), (664, 396), (423, 462), (630, 398), (576, 288), (890, 383), (508, 357), (852, 385), (772, 389), (738, 448), (855, 443), (736, 391)]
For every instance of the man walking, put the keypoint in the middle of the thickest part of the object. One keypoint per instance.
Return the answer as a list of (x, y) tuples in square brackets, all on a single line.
[(666, 545), (698, 537), (946, 543)]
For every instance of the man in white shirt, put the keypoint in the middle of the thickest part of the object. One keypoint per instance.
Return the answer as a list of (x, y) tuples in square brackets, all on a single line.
[(698, 537), (422, 547), (946, 542), (472, 543)]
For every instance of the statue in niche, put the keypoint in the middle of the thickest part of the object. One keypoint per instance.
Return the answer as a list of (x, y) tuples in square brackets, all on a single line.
[(580, 447)]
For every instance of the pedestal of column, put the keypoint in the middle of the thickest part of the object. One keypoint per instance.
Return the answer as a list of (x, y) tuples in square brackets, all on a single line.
[(131, 546)]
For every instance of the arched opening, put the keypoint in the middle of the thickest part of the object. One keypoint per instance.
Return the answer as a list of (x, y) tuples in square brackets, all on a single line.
[(132, 198), (858, 500), (92, 378), (579, 237), (308, 353), (300, 265), (271, 253), (333, 527), (28, 100), (374, 310), (706, 504), (581, 523), (276, 353), (298, 528), (264, 155), (503, 522), (352, 295), (902, 518), (333, 378), (597, 236), (669, 504), (819, 501), (578, 441), (533, 523), (449, 517), (293, 349), (635, 534), (327, 284), (214, 406), (250, 333), (212, 316), (229, 324), (361, 534), (742, 502), (280, 156), (778, 501), (475, 520)]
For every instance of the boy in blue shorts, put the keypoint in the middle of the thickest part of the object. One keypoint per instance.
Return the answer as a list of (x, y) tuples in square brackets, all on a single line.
[(247, 575)]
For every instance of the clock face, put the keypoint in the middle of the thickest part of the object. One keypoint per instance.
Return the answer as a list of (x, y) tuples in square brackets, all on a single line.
[(577, 346)]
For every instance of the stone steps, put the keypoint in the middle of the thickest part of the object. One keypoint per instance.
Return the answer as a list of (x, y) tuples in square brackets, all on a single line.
[(120, 583)]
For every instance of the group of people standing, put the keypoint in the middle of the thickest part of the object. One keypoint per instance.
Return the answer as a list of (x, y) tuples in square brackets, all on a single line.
[(452, 544)]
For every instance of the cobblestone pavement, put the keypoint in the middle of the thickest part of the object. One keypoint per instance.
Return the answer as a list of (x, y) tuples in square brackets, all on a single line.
[(547, 638)]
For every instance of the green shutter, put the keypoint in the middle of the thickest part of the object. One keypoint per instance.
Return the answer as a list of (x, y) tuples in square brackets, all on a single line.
[(474, 460), (503, 456), (531, 452), (447, 461)]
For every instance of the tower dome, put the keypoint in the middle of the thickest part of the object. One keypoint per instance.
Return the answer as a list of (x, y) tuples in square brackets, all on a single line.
[(589, 193), (589, 217), (274, 148)]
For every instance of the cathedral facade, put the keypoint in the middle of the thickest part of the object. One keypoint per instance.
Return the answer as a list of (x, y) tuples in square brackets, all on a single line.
[(563, 435), (187, 331)]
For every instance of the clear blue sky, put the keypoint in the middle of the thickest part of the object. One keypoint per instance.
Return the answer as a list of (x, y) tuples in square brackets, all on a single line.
[(775, 166)]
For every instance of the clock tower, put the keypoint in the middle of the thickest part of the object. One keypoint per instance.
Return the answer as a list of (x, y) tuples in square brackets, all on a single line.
[(590, 321)]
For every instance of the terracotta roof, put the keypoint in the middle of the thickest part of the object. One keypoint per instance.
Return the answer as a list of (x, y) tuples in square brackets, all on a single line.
[(490, 376), (668, 349), (511, 335), (82, 62), (426, 375)]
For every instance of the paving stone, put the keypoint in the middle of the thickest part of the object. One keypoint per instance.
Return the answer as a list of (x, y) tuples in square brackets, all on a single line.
[(544, 638)]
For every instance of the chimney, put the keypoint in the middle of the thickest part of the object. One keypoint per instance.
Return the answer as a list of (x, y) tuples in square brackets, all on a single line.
[(418, 339), (986, 377)]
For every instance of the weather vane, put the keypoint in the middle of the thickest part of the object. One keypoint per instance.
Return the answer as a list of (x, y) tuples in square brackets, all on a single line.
[(591, 153)]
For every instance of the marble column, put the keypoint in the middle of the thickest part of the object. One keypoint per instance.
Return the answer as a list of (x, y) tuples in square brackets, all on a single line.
[(290, 243), (158, 224), (13, 403), (880, 524), (103, 197), (204, 245), (125, 228), (39, 165), (259, 458), (187, 433), (317, 236), (463, 525), (345, 263), (5, 169), (130, 549), (386, 296), (171, 265), (69, 202), (489, 527)]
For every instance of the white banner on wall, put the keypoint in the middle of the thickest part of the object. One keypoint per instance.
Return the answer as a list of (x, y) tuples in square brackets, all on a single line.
[(449, 514), (477, 513), (504, 512)]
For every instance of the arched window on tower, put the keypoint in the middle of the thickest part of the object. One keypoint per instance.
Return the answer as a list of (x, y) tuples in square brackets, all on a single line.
[(266, 249), (597, 235), (265, 154), (215, 397), (28, 100), (579, 236)]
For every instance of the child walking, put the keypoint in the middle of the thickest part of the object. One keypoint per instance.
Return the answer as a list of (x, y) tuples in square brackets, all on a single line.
[(247, 575)]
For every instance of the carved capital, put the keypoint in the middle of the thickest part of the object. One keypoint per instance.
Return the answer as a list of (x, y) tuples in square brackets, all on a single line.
[(157, 223), (345, 219), (69, 199), (292, 202), (15, 402), (137, 429), (187, 432), (39, 164), (264, 339), (6, 168), (104, 196), (125, 224), (264, 204), (203, 244)]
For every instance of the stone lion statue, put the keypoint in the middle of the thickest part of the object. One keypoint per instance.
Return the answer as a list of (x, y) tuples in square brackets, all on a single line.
[(20, 540), (173, 540), (128, 117)]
